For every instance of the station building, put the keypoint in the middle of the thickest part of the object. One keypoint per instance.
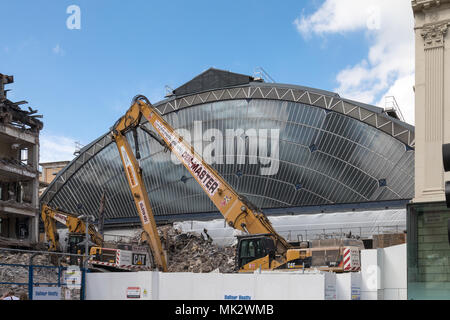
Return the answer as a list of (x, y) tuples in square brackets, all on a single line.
[(292, 150)]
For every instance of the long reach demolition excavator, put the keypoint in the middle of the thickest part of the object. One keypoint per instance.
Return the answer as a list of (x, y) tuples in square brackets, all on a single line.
[(261, 247)]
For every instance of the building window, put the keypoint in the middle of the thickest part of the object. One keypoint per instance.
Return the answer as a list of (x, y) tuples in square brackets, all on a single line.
[(428, 251), (24, 156)]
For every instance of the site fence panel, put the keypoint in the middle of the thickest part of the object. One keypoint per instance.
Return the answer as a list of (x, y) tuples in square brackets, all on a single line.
[(22, 278)]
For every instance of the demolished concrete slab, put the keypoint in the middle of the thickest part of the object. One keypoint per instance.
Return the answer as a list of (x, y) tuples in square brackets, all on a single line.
[(194, 252)]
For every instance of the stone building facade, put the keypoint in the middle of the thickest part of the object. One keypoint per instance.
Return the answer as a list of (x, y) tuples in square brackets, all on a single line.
[(428, 216)]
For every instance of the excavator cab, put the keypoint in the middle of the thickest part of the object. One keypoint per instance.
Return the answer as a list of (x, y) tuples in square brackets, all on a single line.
[(73, 243), (255, 251), (74, 247)]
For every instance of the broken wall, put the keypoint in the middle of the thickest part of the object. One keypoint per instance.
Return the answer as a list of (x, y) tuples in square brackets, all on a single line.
[(19, 171)]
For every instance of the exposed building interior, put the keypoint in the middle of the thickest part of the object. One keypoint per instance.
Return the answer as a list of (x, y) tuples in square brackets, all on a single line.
[(19, 171)]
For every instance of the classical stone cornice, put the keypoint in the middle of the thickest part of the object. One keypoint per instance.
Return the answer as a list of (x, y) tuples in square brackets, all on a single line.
[(434, 35), (420, 5)]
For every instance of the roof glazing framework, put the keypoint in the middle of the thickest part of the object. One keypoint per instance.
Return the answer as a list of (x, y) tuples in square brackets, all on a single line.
[(330, 152)]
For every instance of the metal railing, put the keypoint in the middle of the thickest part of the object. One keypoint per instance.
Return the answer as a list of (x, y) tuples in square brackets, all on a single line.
[(304, 234), (339, 233), (119, 238)]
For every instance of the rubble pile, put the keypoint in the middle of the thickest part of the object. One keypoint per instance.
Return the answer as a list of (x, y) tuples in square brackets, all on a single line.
[(193, 252)]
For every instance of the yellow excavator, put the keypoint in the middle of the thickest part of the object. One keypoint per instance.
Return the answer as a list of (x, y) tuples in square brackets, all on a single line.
[(76, 227), (261, 248), (117, 258)]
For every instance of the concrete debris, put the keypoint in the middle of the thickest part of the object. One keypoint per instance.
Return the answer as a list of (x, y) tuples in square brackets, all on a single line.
[(17, 163), (193, 252), (12, 114), (18, 243), (13, 203), (19, 274)]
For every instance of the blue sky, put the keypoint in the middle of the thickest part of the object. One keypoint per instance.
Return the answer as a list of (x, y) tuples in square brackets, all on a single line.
[(82, 81)]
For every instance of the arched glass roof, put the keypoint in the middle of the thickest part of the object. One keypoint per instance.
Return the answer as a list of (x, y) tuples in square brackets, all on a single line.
[(331, 151)]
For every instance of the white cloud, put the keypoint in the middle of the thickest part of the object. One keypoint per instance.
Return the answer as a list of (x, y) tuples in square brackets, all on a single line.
[(56, 148), (58, 50), (388, 68)]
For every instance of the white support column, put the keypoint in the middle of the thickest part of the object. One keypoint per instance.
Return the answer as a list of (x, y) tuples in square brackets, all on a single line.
[(433, 36), (432, 19)]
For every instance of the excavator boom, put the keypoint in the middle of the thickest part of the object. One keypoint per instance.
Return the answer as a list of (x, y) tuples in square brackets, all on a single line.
[(128, 122), (261, 247), (237, 211)]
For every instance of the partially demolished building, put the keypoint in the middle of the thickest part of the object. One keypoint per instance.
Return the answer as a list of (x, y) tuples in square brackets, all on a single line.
[(19, 170)]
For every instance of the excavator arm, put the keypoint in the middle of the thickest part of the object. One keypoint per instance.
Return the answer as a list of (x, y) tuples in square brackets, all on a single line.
[(50, 228), (237, 211), (129, 122), (75, 225)]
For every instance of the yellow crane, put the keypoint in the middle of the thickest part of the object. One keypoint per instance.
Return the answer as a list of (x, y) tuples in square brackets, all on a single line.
[(262, 247)]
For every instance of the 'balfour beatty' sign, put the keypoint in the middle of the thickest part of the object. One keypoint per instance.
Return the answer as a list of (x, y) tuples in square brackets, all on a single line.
[(46, 293)]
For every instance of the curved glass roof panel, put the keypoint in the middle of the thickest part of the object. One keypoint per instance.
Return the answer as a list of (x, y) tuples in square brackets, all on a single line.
[(328, 154)]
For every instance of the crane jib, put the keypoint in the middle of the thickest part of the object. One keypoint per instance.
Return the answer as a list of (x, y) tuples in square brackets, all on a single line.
[(207, 180)]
